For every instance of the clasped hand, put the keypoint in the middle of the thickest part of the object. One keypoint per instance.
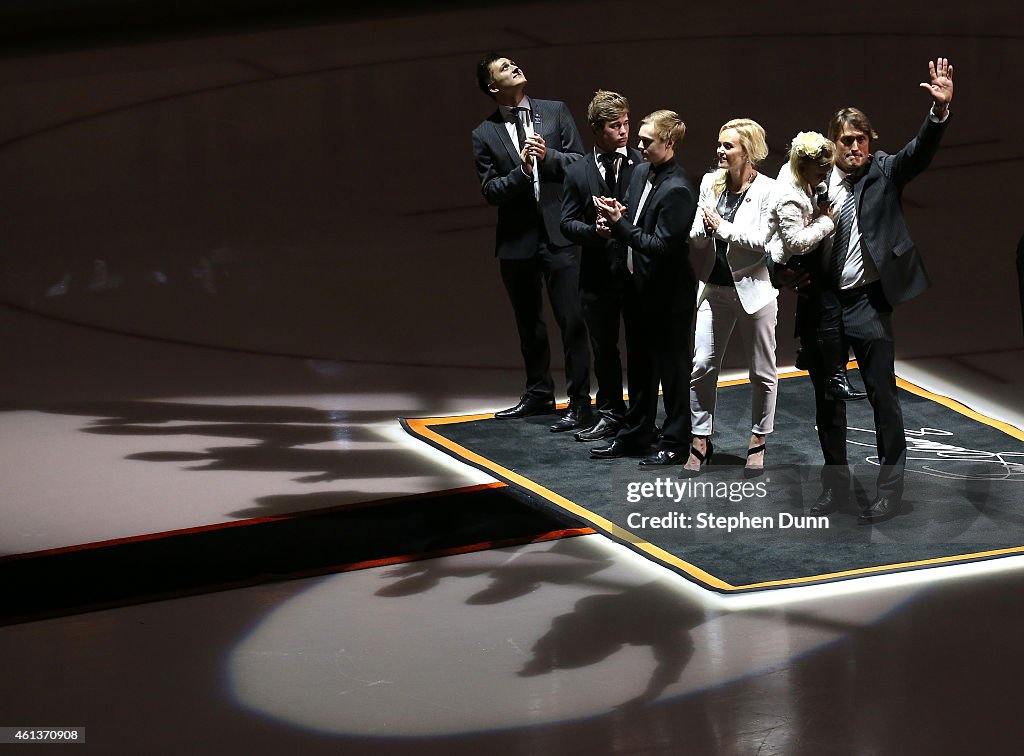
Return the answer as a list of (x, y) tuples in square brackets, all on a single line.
[(790, 278), (712, 220), (534, 149), (609, 210)]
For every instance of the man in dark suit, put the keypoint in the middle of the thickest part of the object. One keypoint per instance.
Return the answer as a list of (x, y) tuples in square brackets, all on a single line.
[(521, 152), (871, 264), (660, 295), (605, 172)]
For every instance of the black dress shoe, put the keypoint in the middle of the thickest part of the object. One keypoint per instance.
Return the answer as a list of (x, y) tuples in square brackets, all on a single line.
[(662, 458), (577, 416), (839, 388), (826, 503), (528, 405), (602, 429), (883, 509), (616, 449)]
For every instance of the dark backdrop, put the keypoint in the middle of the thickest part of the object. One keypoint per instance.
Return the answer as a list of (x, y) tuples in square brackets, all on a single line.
[(291, 179)]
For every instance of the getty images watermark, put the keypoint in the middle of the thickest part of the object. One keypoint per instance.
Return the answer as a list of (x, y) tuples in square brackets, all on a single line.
[(688, 504)]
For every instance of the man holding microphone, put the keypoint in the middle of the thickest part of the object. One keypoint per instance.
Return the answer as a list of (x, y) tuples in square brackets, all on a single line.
[(521, 153)]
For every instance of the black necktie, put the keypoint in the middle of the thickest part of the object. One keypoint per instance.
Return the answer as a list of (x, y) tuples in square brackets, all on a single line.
[(519, 114), (608, 159), (844, 225)]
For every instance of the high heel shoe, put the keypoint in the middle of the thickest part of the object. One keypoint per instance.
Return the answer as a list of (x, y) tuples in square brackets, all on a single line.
[(752, 471), (689, 470)]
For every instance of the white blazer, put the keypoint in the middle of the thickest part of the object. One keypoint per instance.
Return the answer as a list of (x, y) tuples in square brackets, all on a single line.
[(792, 232), (745, 235)]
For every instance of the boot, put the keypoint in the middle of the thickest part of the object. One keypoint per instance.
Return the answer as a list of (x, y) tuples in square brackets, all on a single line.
[(833, 357)]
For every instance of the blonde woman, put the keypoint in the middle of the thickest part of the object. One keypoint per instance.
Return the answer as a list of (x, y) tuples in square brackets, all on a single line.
[(801, 219), (731, 228)]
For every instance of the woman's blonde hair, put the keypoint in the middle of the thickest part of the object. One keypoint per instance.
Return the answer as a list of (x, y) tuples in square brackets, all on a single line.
[(809, 147), (753, 142)]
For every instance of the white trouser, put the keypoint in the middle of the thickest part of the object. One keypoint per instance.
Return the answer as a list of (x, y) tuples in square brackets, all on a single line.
[(717, 315)]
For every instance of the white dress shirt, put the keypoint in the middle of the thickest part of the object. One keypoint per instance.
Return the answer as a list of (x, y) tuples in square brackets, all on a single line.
[(859, 268), (648, 184), (527, 122), (618, 163)]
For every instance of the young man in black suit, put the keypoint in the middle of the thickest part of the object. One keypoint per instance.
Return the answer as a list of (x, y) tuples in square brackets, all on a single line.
[(661, 294), (521, 153), (871, 264), (603, 173)]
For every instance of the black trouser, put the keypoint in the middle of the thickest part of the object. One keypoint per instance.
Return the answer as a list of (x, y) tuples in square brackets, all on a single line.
[(557, 270), (602, 311), (867, 323), (659, 349)]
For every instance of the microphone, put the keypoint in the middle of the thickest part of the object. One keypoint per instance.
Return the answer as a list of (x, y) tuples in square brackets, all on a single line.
[(536, 129), (821, 194)]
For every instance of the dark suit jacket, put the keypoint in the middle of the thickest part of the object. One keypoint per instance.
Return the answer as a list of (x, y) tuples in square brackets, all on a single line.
[(880, 213), (503, 182), (599, 267), (660, 238)]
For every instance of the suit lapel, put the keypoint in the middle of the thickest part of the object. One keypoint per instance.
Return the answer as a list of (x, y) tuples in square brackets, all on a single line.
[(636, 189), (546, 119), (871, 174), (626, 171), (594, 177), (649, 202), (501, 134)]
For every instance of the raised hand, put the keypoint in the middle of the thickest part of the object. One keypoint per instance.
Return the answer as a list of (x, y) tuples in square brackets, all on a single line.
[(940, 86)]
